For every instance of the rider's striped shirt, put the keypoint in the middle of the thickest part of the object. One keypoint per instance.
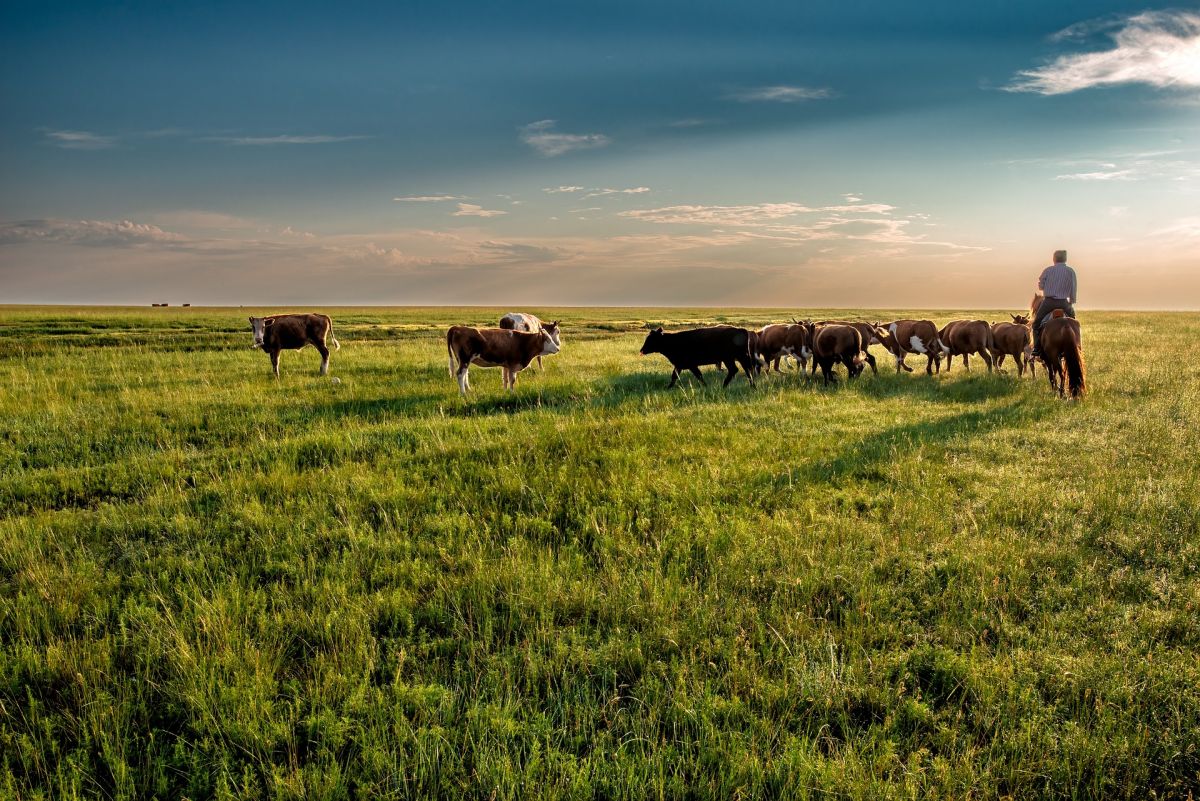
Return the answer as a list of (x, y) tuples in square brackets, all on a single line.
[(1058, 281)]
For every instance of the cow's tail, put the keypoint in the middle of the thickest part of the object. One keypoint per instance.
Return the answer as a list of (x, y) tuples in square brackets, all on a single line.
[(450, 353), (1076, 370), (329, 330)]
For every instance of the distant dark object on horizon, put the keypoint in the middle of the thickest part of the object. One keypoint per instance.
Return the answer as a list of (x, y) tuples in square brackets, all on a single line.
[(160, 304), (185, 305)]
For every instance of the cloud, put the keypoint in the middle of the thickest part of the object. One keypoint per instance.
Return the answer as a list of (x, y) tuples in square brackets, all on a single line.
[(636, 190), (756, 215), (1156, 48), (281, 139), (90, 233), (778, 94), (542, 137), (554, 190), (428, 198), (471, 210), (516, 252), (852, 197), (209, 220), (1111, 175), (81, 140)]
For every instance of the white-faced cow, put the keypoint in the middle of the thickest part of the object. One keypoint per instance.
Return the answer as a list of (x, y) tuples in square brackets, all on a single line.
[(511, 351), (903, 337), (964, 337), (782, 340), (871, 335), (1013, 339), (292, 332), (521, 321), (834, 343), (721, 345)]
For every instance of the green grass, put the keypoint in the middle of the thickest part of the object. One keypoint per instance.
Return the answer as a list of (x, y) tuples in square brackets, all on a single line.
[(215, 584)]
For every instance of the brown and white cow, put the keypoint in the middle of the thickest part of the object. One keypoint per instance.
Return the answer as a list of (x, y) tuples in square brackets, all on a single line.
[(834, 343), (903, 337), (964, 337), (870, 336), (1013, 339), (292, 332), (521, 321), (777, 341), (511, 351)]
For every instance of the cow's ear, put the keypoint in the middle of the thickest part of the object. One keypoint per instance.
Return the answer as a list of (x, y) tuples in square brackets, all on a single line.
[(658, 330), (251, 320), (269, 321)]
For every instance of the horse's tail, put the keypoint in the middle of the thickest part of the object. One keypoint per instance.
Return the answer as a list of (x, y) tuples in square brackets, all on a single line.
[(1076, 370)]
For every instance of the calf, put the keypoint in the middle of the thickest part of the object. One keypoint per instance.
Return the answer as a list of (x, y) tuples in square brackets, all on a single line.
[(833, 343), (520, 321), (1013, 339), (964, 337), (511, 351), (691, 350), (780, 340), (292, 332)]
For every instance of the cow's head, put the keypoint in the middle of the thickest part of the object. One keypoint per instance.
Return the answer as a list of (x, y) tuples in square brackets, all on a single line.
[(260, 325), (653, 343), (549, 345), (1020, 319), (554, 332)]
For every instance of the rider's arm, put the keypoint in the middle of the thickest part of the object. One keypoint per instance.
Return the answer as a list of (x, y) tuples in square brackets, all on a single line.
[(1074, 286)]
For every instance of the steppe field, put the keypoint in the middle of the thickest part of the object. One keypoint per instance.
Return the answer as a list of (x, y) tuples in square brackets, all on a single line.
[(214, 584)]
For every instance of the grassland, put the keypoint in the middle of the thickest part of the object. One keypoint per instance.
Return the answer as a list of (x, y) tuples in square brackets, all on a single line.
[(215, 584)]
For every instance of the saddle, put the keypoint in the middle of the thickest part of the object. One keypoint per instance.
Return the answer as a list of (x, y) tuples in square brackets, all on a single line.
[(1054, 315)]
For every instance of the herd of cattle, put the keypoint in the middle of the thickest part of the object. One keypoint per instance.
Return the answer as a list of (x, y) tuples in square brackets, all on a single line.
[(521, 338)]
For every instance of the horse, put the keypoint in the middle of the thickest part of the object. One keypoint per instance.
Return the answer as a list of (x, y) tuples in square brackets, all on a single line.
[(1062, 353)]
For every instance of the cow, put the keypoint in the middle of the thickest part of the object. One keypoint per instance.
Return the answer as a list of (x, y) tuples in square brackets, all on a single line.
[(902, 337), (520, 321), (777, 341), (511, 351), (1013, 339), (292, 332), (833, 343), (870, 336), (721, 345), (964, 337)]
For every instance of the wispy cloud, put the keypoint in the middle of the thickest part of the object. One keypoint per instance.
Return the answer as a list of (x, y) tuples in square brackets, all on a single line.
[(428, 198), (542, 137), (635, 190), (754, 215), (554, 190), (93, 233), (472, 210), (81, 140), (281, 139), (778, 94), (1156, 48), (1100, 175), (505, 252)]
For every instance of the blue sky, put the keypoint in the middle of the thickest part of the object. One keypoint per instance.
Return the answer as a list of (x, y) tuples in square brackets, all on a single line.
[(839, 153)]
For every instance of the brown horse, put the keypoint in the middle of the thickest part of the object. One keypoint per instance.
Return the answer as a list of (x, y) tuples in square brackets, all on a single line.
[(1062, 353)]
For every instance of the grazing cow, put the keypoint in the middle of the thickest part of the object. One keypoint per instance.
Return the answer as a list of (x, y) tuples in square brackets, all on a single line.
[(964, 337), (1013, 339), (511, 351), (912, 336), (870, 336), (292, 332), (780, 340), (833, 343), (520, 321), (721, 345)]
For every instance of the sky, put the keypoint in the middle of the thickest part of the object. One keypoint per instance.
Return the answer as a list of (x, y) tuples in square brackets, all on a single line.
[(856, 153)]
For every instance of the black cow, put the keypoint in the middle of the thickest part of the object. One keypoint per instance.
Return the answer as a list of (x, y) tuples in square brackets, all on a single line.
[(292, 332), (721, 345)]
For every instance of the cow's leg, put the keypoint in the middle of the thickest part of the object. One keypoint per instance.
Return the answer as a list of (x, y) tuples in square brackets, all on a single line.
[(949, 362), (461, 376), (539, 358), (731, 366), (929, 365), (275, 362), (675, 378), (699, 375), (512, 379), (987, 359), (324, 350), (827, 371), (747, 365), (871, 361), (998, 360)]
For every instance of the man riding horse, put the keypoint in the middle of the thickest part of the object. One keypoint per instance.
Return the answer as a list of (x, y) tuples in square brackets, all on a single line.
[(1057, 286)]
